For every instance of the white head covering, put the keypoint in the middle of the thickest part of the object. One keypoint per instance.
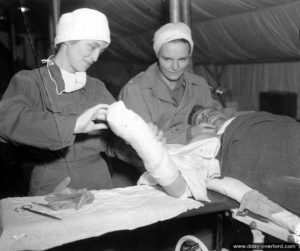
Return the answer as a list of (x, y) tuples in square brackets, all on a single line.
[(170, 32), (82, 24)]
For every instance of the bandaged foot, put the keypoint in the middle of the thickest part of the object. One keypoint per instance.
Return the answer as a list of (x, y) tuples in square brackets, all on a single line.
[(261, 205), (133, 129), (287, 220), (256, 202)]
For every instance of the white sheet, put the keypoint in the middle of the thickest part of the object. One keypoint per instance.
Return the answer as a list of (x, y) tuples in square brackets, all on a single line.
[(112, 210)]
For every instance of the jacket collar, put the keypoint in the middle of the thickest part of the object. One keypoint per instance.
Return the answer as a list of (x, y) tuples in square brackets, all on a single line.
[(56, 74), (151, 80)]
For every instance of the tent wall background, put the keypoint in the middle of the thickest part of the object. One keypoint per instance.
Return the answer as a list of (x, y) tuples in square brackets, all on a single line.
[(246, 81), (257, 42)]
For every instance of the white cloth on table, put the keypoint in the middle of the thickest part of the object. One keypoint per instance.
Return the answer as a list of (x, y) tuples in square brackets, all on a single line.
[(112, 210)]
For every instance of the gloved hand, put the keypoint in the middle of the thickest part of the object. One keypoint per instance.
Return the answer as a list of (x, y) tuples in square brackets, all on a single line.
[(259, 204), (64, 197)]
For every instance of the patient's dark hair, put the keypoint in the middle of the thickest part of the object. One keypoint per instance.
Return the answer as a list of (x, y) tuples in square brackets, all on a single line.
[(194, 110)]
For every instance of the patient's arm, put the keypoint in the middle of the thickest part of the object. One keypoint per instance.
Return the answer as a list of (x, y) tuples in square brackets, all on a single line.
[(134, 130)]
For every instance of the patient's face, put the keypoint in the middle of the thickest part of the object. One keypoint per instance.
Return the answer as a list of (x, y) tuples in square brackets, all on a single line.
[(203, 115)]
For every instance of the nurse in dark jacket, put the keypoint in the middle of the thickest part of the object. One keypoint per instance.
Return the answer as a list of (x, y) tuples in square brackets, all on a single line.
[(167, 91), (56, 111)]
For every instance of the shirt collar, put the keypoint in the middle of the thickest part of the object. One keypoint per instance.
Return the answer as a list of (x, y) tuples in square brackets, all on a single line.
[(180, 83)]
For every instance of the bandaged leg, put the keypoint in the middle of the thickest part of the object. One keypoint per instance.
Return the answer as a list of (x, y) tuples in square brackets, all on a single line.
[(256, 202), (260, 204), (133, 129), (230, 187)]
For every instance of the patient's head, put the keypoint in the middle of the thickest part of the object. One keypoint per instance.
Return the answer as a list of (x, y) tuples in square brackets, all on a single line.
[(207, 115)]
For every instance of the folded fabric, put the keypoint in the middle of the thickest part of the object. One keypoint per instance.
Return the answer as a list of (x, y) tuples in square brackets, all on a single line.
[(73, 199)]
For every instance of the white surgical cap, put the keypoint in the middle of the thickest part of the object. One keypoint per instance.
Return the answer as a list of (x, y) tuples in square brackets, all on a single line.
[(82, 24), (170, 32)]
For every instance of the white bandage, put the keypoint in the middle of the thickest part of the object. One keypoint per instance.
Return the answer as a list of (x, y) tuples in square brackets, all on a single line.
[(165, 172), (133, 129), (230, 187), (287, 220)]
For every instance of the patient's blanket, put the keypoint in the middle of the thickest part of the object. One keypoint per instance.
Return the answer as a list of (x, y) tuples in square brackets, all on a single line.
[(263, 151), (112, 210)]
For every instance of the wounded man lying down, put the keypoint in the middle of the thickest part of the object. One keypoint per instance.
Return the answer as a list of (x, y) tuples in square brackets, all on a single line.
[(257, 163)]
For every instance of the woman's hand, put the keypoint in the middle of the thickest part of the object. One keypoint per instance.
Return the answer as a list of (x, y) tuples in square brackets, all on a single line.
[(158, 134), (92, 119)]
